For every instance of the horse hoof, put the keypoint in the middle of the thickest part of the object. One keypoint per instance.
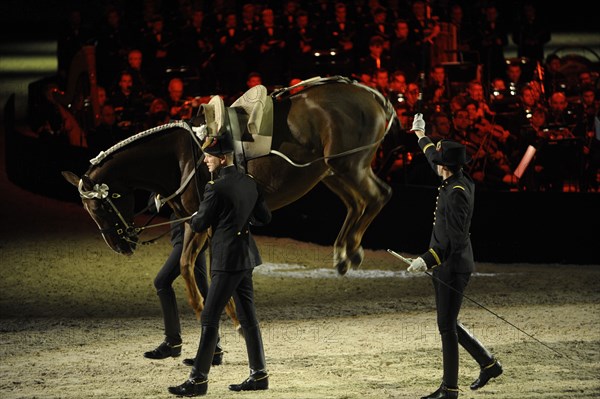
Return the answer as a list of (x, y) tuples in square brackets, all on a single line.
[(342, 267), (357, 257)]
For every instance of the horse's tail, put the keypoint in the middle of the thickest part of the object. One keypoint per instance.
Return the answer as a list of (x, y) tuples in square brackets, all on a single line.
[(388, 108)]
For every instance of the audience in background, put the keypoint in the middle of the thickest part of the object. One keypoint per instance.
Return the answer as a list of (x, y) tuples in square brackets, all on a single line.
[(197, 51)]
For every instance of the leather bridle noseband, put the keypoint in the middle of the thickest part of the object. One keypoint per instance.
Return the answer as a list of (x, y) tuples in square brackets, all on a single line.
[(124, 230)]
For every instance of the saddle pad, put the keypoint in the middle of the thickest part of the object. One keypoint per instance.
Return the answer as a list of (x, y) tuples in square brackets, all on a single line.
[(259, 108), (258, 131)]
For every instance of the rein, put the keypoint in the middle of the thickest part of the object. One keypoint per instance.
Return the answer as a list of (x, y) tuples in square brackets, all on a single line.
[(128, 231), (323, 158)]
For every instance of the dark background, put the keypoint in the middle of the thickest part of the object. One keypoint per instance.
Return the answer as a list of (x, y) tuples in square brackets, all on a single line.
[(35, 19), (507, 227)]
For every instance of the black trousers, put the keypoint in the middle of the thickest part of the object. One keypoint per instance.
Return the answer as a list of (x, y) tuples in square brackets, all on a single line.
[(171, 269), (448, 302), (223, 286), (163, 283)]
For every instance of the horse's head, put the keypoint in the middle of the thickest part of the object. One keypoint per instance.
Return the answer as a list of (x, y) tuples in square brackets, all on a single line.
[(111, 210)]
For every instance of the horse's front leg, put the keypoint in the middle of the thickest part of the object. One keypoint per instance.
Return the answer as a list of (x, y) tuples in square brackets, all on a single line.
[(192, 244)]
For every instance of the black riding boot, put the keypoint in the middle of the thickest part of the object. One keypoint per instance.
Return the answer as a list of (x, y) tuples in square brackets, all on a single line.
[(197, 384), (217, 357), (450, 360), (449, 387), (206, 350), (490, 367), (443, 392), (258, 379), (171, 347)]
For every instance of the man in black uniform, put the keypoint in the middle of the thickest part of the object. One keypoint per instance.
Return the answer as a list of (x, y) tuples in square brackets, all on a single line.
[(231, 203), (451, 256)]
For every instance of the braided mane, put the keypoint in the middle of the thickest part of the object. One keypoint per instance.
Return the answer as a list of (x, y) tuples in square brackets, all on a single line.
[(103, 154)]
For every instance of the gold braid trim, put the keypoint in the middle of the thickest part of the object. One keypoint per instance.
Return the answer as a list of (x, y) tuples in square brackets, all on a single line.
[(437, 258)]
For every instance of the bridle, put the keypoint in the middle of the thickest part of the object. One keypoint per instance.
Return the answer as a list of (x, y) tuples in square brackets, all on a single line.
[(124, 230)]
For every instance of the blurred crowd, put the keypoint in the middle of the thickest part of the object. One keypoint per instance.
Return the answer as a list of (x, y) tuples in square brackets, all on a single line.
[(158, 60)]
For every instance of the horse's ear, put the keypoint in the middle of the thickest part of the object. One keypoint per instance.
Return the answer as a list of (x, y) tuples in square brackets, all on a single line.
[(88, 183), (197, 120), (71, 177)]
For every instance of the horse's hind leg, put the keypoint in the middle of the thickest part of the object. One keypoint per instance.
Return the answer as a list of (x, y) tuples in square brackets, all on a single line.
[(364, 195)]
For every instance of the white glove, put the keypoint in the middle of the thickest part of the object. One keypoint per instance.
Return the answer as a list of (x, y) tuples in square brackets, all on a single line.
[(418, 123), (417, 265)]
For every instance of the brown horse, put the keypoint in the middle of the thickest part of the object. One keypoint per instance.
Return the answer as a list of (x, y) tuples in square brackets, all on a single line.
[(328, 132)]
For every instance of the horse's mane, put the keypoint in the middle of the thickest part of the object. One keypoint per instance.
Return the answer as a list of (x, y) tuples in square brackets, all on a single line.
[(103, 154)]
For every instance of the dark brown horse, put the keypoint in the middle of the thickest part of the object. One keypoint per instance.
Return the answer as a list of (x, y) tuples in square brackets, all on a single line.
[(328, 132)]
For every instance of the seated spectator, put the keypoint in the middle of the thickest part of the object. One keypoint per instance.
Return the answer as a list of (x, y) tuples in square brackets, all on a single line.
[(395, 152), (437, 91), (128, 105), (554, 79), (461, 128), (382, 82), (515, 80), (441, 127), (107, 133), (141, 80), (179, 106), (489, 146), (476, 94), (562, 115), (397, 86), (376, 59), (527, 103), (158, 113), (102, 95), (411, 98)]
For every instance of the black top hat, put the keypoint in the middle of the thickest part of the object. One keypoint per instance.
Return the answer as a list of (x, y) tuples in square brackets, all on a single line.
[(451, 153), (218, 145)]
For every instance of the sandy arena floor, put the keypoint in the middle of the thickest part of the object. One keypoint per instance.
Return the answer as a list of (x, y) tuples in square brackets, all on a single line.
[(76, 318)]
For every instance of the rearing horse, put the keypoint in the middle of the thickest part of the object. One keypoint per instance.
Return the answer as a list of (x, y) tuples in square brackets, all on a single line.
[(326, 133)]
